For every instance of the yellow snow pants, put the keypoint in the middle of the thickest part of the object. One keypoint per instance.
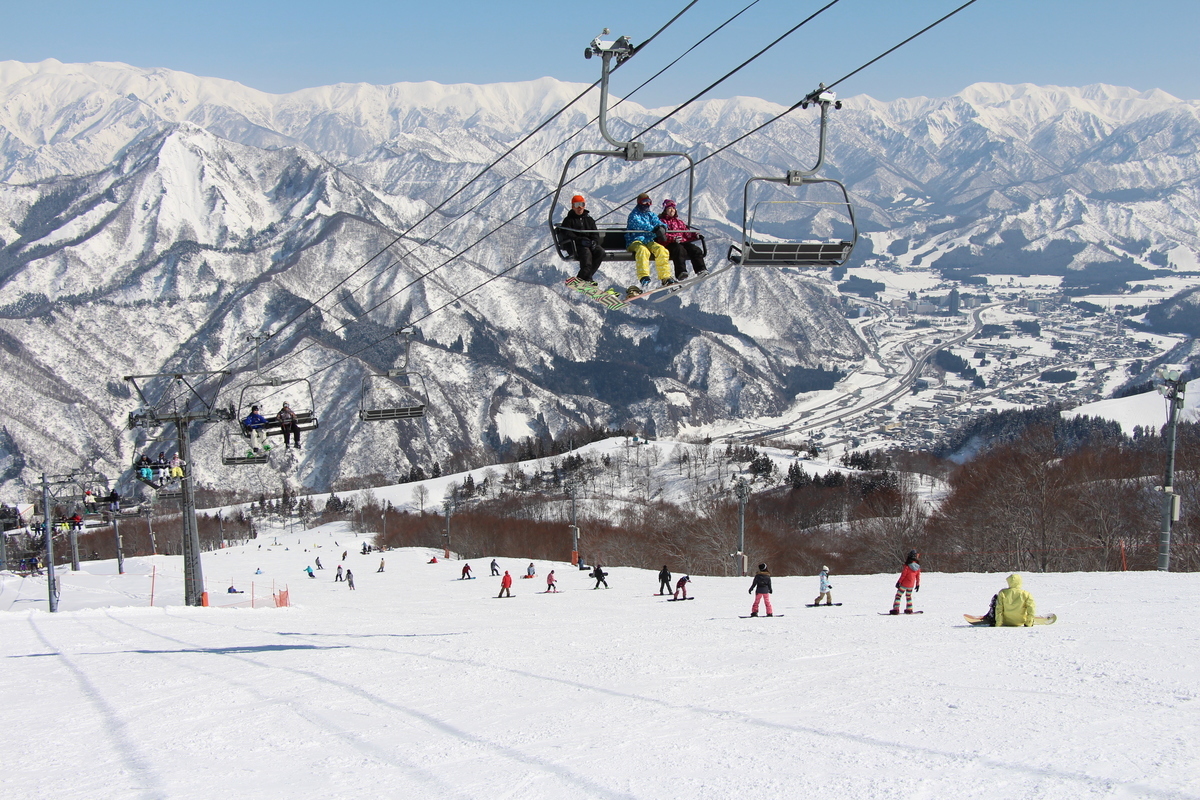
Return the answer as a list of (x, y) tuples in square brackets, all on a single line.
[(662, 259)]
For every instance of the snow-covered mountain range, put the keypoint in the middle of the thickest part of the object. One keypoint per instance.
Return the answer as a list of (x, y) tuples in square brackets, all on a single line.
[(151, 221)]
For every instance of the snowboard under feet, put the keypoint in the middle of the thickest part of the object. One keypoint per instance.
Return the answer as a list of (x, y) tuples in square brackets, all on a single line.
[(819, 605), (978, 622), (756, 616), (610, 298), (901, 614)]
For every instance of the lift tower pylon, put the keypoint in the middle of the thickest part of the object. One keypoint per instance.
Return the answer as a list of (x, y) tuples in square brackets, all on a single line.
[(188, 397)]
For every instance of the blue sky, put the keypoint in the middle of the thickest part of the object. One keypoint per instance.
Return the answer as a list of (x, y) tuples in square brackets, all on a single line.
[(282, 46)]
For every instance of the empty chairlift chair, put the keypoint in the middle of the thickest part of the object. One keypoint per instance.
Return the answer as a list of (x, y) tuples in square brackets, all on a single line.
[(397, 394), (772, 251)]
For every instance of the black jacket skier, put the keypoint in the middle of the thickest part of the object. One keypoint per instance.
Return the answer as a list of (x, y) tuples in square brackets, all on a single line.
[(581, 239), (762, 581), (664, 580), (599, 574), (762, 590)]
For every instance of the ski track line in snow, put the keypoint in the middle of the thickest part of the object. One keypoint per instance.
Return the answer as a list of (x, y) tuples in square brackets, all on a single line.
[(137, 764), (741, 718), (304, 713), (430, 721)]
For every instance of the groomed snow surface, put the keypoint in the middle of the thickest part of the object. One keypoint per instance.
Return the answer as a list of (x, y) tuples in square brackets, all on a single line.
[(419, 685)]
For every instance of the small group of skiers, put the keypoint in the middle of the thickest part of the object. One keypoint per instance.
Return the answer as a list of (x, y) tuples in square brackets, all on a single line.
[(664, 584), (664, 237), (1011, 607), (256, 425), (161, 470)]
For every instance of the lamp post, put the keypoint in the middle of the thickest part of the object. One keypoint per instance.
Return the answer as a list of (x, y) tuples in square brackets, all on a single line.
[(742, 490), (1171, 386), (447, 505), (573, 489)]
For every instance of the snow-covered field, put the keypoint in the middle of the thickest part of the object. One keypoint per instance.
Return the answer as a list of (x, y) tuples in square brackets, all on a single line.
[(419, 685)]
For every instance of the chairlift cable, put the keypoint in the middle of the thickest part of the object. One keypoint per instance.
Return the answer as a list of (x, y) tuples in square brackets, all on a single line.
[(462, 188), (497, 189), (897, 47), (538, 201), (483, 172), (808, 98), (719, 150)]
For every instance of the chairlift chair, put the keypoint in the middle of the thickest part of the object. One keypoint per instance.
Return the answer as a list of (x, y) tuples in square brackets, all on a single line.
[(612, 237), (297, 392), (380, 400), (234, 452), (393, 395), (762, 252)]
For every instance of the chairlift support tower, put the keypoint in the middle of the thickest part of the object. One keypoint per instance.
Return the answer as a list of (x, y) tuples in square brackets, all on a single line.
[(193, 401)]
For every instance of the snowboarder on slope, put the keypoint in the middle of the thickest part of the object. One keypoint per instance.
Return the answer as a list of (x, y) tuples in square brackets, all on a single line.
[(505, 585), (495, 568), (551, 582), (466, 573), (338, 577), (682, 587), (319, 563), (910, 581), (310, 572), (599, 574), (530, 571), (826, 586), (350, 579), (762, 590), (1012, 607), (664, 580), (380, 566)]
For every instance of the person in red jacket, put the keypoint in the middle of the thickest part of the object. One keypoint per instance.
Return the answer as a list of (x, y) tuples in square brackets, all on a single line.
[(910, 581), (505, 585)]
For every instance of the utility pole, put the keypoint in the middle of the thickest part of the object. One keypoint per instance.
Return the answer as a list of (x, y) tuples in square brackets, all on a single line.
[(573, 488), (447, 505), (120, 549), (1171, 386), (742, 490), (49, 534), (182, 404)]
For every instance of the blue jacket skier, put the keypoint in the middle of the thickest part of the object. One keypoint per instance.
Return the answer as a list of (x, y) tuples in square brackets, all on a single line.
[(256, 423), (643, 228)]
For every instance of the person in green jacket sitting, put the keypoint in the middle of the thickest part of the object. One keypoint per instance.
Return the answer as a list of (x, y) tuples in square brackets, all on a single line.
[(1012, 607)]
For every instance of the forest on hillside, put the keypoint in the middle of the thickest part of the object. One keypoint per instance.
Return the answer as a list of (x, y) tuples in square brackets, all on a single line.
[(1037, 493)]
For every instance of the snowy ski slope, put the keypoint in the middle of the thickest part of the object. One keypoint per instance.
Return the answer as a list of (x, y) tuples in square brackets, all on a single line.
[(419, 685)]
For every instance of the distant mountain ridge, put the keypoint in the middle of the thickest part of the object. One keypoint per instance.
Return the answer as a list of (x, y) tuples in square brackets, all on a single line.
[(151, 220)]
